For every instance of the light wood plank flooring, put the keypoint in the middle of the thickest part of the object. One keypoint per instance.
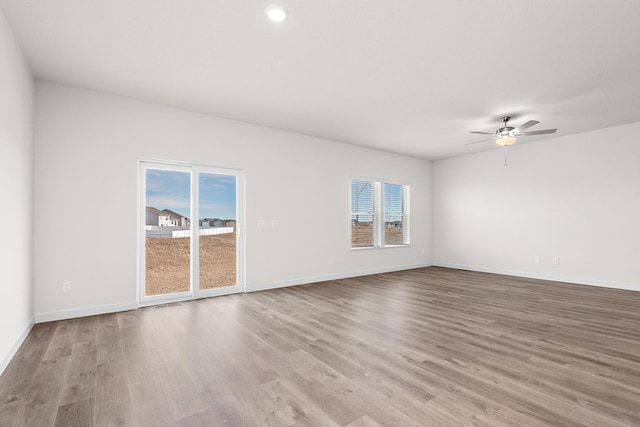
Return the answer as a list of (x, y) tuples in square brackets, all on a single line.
[(425, 347)]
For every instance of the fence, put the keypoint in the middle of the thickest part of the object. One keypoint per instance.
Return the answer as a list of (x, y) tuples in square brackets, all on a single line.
[(203, 232), (178, 232)]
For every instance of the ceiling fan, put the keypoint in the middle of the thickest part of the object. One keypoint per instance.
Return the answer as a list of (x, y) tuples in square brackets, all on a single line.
[(506, 135)]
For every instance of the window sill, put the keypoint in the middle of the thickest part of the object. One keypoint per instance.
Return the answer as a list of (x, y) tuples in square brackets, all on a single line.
[(368, 248)]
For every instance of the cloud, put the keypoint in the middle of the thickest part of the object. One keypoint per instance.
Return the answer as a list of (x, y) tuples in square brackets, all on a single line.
[(167, 189)]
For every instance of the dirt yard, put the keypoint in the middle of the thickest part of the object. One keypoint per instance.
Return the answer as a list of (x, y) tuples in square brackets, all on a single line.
[(167, 263), (362, 236), (167, 260)]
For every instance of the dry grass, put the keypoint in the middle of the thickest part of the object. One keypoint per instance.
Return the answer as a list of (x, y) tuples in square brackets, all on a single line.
[(362, 235), (168, 261), (393, 236)]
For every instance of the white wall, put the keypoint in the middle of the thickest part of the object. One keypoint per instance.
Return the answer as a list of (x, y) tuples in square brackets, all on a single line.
[(87, 146), (575, 197), (16, 193)]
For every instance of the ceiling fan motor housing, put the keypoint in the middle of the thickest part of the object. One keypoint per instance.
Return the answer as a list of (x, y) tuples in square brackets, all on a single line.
[(504, 131)]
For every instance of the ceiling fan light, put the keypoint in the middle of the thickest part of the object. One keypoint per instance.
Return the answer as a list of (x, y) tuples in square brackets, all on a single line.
[(505, 141)]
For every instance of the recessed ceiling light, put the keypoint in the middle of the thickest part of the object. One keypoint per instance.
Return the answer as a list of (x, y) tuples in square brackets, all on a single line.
[(276, 13)]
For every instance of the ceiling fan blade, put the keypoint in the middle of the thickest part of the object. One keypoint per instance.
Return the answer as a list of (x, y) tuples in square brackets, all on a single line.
[(525, 126), (483, 133), (539, 132), (482, 140)]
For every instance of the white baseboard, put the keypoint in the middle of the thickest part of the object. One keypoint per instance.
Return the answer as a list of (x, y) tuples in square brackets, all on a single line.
[(552, 277), (52, 316), (132, 305), (337, 276), (16, 346)]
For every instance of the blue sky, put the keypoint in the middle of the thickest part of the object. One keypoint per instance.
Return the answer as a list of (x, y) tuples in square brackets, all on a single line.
[(217, 196), (172, 190)]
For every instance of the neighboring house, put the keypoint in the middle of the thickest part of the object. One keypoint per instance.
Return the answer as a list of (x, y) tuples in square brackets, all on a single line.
[(165, 218), (156, 217), (206, 222), (216, 222), (176, 219)]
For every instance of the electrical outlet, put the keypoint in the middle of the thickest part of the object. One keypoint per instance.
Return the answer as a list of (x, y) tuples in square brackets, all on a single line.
[(66, 286), (332, 260), (556, 260), (538, 260)]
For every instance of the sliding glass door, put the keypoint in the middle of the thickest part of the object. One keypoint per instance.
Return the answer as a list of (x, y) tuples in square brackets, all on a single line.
[(167, 249), (218, 246), (182, 255)]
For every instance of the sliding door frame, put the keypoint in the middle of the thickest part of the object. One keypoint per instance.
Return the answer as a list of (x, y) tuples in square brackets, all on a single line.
[(194, 292)]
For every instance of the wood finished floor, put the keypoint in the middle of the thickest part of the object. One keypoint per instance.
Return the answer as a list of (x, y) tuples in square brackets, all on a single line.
[(425, 347)]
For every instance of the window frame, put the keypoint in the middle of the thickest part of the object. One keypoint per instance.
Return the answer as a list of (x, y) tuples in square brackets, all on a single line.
[(379, 213)]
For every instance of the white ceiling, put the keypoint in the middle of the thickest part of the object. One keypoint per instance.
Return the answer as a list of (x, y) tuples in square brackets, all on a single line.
[(412, 77)]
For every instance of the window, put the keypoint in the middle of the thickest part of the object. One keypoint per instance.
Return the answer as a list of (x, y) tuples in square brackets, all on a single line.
[(362, 213), (393, 214), (379, 214)]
